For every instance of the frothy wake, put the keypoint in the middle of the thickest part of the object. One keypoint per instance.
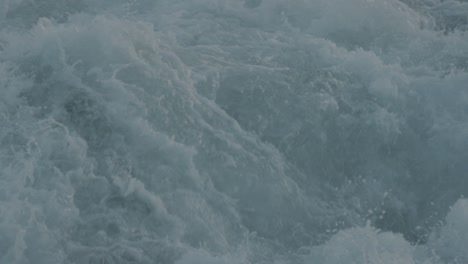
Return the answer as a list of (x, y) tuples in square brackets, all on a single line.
[(215, 131)]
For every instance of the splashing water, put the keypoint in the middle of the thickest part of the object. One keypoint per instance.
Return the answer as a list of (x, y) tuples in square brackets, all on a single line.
[(240, 131)]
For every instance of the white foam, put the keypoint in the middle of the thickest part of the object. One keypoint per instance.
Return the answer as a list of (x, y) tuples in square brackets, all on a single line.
[(214, 131), (364, 245), (450, 241)]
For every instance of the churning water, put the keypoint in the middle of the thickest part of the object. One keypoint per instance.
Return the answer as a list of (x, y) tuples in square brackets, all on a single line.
[(233, 131)]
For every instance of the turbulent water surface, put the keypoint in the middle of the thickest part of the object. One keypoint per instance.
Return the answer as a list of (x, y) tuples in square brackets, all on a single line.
[(233, 131)]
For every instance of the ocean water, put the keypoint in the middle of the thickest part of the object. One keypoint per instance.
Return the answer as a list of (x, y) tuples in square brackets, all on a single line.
[(233, 131)]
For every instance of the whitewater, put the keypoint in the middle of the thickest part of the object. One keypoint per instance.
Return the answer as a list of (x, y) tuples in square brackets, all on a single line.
[(233, 131)]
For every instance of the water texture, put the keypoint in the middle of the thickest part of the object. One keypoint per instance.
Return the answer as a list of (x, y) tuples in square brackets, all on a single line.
[(233, 131)]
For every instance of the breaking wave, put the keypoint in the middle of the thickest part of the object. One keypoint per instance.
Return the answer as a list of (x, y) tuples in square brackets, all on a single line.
[(233, 131)]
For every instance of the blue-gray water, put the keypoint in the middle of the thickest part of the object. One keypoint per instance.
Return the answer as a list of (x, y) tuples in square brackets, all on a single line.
[(233, 131)]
